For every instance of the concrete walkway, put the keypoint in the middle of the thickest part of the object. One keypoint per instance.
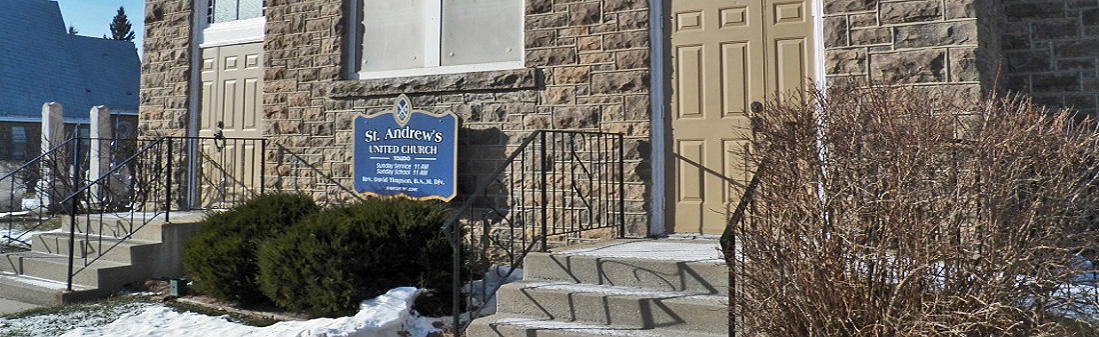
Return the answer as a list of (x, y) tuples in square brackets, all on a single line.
[(10, 307)]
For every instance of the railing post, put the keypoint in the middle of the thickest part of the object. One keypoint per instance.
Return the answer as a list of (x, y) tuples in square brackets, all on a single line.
[(456, 283), (76, 173), (168, 179), (262, 165), (621, 186), (545, 188)]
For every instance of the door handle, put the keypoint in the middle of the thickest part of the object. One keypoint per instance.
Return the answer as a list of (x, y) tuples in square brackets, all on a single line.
[(756, 107)]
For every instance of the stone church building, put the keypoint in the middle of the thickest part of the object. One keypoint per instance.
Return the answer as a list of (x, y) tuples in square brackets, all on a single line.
[(676, 77)]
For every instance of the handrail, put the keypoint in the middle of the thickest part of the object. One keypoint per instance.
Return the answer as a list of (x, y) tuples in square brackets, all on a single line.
[(728, 238), (37, 158), (73, 210), (573, 158), (283, 149), (480, 192), (111, 171)]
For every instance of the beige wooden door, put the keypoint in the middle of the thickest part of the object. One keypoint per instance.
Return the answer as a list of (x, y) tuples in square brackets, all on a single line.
[(725, 54), (232, 102)]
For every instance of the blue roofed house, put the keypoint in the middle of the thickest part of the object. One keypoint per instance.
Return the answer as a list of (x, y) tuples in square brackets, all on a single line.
[(43, 63)]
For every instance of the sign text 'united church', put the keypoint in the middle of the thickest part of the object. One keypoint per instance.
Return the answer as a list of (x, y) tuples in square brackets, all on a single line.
[(406, 152)]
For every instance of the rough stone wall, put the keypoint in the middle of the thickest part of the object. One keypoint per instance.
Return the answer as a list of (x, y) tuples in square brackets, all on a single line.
[(165, 68), (915, 42), (1052, 50), (587, 68)]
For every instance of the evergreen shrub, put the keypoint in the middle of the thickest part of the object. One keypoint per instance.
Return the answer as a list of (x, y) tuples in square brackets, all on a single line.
[(336, 258), (222, 257)]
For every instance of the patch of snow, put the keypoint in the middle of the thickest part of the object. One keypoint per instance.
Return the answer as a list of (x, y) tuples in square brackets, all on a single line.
[(483, 291), (620, 291), (56, 324), (38, 282), (575, 328), (676, 250), (384, 315)]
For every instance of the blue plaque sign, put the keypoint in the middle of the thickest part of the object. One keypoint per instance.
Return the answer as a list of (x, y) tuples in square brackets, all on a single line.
[(406, 152)]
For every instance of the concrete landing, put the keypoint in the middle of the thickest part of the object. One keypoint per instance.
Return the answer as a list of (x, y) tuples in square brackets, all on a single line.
[(8, 307)]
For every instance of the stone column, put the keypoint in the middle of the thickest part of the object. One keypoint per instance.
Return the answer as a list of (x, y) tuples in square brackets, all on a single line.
[(53, 134), (99, 153)]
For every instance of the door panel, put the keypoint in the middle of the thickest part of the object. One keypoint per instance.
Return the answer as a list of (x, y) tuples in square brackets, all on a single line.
[(725, 54), (232, 93)]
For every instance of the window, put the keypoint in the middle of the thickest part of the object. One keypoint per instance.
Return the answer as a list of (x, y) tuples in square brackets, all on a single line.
[(218, 11), (18, 143), (229, 22), (419, 37)]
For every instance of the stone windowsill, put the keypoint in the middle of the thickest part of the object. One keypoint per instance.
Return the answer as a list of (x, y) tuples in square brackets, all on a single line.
[(486, 80)]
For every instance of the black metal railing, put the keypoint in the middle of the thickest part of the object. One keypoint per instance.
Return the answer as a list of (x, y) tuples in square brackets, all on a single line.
[(730, 250), (35, 189), (23, 203), (296, 174), (557, 186)]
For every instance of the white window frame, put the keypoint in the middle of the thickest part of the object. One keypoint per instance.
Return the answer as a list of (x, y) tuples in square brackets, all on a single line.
[(432, 48), (226, 33)]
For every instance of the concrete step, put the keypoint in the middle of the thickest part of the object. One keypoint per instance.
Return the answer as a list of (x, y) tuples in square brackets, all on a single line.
[(92, 246), (671, 265), (43, 292), (615, 306), (104, 274), (143, 226), (509, 325)]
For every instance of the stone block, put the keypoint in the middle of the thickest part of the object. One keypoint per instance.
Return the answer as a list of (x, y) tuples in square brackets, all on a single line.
[(580, 117), (626, 40), (559, 95), (916, 66), (549, 20), (1076, 48), (963, 65), (835, 31), (586, 13), (844, 6), (633, 20), (868, 36), (1056, 29), (1017, 83), (539, 6), (1081, 101), (1017, 40), (551, 56), (596, 58), (621, 5), (911, 11), (845, 61), (862, 20), (1050, 83), (1029, 10), (620, 82), (960, 9), (632, 59), (936, 34), (589, 43), (1090, 16), (570, 75), (1087, 64)]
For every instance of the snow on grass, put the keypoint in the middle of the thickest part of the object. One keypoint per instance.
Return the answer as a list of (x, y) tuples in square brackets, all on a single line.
[(68, 318), (384, 315)]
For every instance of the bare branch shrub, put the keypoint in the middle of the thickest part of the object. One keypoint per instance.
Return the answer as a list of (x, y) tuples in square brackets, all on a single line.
[(905, 212)]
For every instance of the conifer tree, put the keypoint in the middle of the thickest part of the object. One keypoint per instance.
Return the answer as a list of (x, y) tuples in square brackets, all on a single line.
[(120, 27)]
